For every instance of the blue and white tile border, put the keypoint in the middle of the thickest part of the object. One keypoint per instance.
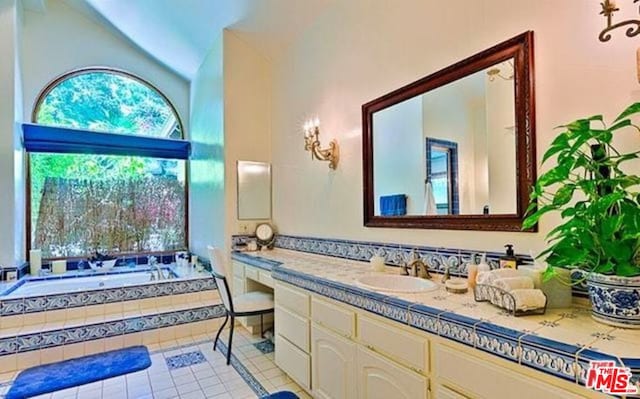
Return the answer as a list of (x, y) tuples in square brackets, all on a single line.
[(42, 303), (72, 335), (458, 260), (555, 358), (246, 375)]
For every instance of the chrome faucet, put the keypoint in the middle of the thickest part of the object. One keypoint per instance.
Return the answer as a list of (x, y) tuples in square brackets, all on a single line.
[(153, 262), (416, 265), (447, 266)]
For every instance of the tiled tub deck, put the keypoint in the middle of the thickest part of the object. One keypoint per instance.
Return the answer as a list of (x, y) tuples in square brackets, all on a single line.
[(39, 329)]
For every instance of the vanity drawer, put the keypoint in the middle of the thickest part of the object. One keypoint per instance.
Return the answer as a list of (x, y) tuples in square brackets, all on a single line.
[(334, 317), (480, 378), (292, 327), (251, 272), (238, 269), (295, 300), (408, 349), (265, 278), (293, 361)]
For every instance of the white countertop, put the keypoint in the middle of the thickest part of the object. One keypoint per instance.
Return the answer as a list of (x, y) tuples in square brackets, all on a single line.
[(571, 326)]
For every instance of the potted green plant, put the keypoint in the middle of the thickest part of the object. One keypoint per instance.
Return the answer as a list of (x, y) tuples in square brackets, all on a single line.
[(598, 200)]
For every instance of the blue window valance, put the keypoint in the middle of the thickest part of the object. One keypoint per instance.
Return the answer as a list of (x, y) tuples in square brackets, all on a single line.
[(41, 138)]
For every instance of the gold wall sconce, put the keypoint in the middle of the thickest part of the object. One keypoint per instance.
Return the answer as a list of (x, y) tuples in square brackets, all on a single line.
[(609, 8), (312, 144), (496, 72)]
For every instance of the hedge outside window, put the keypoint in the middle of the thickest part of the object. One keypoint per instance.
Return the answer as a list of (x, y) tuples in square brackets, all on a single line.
[(86, 202)]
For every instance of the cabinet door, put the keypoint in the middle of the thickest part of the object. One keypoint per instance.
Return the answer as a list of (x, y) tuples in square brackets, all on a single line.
[(445, 393), (379, 378), (333, 365)]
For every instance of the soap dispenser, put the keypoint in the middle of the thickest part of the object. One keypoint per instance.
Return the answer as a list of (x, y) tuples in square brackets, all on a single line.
[(509, 260)]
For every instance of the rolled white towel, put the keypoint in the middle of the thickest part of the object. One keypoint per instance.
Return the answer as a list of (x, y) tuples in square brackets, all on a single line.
[(489, 277), (528, 299), (514, 283)]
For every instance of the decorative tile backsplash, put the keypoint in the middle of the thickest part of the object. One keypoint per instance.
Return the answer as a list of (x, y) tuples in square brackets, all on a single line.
[(437, 259), (66, 336), (49, 302)]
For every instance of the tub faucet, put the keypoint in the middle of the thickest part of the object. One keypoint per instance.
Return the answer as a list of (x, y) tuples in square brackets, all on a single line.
[(447, 272), (416, 266), (153, 262)]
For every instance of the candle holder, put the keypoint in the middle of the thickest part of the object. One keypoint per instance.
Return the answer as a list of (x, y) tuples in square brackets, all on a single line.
[(609, 8), (312, 144)]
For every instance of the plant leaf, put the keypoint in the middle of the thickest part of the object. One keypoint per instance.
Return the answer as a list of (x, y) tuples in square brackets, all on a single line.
[(632, 109)]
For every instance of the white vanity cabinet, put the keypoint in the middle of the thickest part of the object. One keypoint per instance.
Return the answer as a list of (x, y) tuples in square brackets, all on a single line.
[(380, 378), (333, 365), (293, 335), (336, 351)]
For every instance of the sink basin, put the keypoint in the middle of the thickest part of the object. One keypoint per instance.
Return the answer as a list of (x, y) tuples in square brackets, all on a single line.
[(395, 283)]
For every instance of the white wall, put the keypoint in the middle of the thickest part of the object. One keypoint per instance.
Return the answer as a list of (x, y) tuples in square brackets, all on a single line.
[(11, 169), (207, 166), (247, 119), (62, 39), (401, 170), (500, 136), (230, 121), (451, 113), (360, 49)]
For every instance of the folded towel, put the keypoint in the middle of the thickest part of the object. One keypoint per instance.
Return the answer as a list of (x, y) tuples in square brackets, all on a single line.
[(489, 277), (528, 299), (430, 207), (393, 205), (513, 283)]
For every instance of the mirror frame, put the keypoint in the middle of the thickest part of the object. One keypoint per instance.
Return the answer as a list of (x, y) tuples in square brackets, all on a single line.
[(520, 48)]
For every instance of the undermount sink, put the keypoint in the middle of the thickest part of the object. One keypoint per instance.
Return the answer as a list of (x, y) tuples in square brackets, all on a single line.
[(395, 283)]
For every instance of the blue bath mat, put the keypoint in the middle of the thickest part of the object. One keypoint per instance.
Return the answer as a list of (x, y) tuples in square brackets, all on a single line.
[(83, 370)]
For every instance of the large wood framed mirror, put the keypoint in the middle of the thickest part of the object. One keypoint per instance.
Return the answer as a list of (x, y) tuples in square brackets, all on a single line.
[(456, 149)]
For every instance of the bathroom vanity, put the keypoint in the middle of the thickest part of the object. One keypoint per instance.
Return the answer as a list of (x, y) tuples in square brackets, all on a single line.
[(339, 340)]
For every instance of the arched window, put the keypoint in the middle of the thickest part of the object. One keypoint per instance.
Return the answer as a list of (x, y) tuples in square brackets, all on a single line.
[(102, 172)]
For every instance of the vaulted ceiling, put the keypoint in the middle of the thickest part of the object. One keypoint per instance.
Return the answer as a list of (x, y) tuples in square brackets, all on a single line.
[(179, 33)]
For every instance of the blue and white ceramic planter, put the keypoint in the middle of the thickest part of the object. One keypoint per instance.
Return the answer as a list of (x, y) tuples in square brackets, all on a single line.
[(615, 300)]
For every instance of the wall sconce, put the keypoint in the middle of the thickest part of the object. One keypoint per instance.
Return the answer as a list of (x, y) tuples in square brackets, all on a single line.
[(312, 143), (609, 8), (496, 72)]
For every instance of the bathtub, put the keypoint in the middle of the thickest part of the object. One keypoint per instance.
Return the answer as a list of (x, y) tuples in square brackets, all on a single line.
[(32, 286)]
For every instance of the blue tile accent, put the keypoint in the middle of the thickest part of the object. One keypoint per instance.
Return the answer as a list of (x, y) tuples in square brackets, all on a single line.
[(498, 340), (552, 357), (66, 336), (549, 356), (457, 327), (246, 375), (257, 261), (42, 303), (185, 360), (395, 254)]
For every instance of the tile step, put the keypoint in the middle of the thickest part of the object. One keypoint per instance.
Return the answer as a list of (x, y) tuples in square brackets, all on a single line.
[(49, 342)]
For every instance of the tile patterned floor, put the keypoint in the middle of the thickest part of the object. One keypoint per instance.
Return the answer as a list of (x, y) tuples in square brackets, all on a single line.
[(210, 378)]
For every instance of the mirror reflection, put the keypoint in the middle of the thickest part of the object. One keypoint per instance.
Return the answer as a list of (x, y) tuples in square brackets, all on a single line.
[(449, 151), (254, 190)]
